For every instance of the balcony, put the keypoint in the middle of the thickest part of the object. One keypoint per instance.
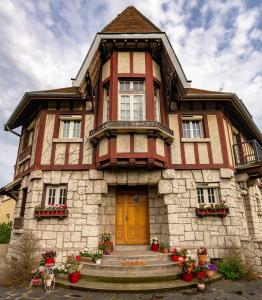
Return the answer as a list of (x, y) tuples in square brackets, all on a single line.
[(248, 158), (131, 144)]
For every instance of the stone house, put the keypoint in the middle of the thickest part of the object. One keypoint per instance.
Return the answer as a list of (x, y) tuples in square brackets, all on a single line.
[(132, 149)]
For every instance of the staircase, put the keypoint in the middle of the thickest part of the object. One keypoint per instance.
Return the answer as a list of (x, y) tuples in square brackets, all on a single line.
[(130, 269)]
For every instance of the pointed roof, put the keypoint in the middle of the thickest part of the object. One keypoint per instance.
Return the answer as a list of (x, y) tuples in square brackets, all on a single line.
[(130, 21)]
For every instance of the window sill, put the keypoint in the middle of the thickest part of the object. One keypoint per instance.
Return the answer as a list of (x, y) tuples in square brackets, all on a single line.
[(195, 140), (68, 140)]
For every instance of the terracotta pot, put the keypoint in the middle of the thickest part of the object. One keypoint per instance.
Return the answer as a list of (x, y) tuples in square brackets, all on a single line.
[(164, 250), (175, 257), (202, 259), (187, 277), (74, 277), (155, 247), (210, 273)]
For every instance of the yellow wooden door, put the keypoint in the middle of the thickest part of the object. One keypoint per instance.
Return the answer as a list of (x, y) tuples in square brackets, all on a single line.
[(132, 222)]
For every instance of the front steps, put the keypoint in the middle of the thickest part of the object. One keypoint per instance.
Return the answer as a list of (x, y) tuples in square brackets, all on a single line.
[(129, 270)]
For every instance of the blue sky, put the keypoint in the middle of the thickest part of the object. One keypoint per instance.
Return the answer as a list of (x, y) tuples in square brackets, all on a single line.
[(43, 44)]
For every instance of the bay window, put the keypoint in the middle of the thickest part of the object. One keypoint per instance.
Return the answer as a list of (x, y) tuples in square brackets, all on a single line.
[(131, 101)]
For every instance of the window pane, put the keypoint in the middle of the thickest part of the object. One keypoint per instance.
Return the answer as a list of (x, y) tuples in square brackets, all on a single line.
[(125, 108), (76, 128), (138, 86), (211, 195), (138, 108), (66, 126), (124, 86), (186, 129), (62, 196), (200, 196), (51, 197)]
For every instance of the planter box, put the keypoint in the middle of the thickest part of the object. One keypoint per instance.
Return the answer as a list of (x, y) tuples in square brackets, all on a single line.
[(45, 213), (212, 212)]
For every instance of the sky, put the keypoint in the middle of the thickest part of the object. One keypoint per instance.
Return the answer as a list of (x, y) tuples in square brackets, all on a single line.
[(43, 44)]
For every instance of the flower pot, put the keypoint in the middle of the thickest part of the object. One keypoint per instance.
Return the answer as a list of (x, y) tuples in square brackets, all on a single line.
[(49, 261), (202, 259), (210, 273), (98, 261), (74, 277), (175, 257), (201, 287), (155, 247), (164, 250), (36, 281), (187, 277), (200, 274)]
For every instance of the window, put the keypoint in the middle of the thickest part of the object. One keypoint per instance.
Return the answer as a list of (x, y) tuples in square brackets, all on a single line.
[(157, 104), (71, 128), (106, 104), (207, 195), (192, 129), (55, 195), (131, 101)]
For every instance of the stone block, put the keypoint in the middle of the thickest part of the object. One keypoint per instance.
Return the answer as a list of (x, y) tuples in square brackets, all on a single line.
[(100, 187), (95, 174), (189, 236), (49, 235), (187, 174), (121, 177), (89, 187), (165, 186), (197, 174), (76, 236), (94, 199), (110, 177), (175, 186), (90, 209), (92, 242), (211, 175), (170, 199), (143, 178), (168, 174), (226, 173), (190, 184), (154, 177), (132, 178)]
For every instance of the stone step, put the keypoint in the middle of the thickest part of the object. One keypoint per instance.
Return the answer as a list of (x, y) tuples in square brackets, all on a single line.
[(177, 284), (149, 266), (133, 248), (130, 276)]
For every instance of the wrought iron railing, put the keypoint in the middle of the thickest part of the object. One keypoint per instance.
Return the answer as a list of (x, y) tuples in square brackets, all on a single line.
[(18, 223), (131, 124), (247, 153)]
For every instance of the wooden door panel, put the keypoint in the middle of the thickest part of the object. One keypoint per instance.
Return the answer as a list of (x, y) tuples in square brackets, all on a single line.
[(132, 222)]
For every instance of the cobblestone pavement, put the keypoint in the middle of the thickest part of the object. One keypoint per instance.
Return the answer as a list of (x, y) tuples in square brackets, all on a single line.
[(222, 290)]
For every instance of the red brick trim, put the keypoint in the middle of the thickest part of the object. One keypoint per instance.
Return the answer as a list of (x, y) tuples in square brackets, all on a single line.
[(149, 85), (113, 90), (196, 153), (222, 137), (40, 138)]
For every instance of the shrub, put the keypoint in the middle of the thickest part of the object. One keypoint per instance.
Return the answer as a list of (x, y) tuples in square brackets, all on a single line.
[(5, 232), (232, 267)]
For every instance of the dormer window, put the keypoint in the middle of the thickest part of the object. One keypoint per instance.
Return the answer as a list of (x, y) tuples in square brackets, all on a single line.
[(131, 100)]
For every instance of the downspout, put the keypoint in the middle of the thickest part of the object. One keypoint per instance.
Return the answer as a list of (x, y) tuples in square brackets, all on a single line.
[(7, 128)]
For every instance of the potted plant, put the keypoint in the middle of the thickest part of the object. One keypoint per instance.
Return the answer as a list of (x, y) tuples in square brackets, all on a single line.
[(96, 257), (201, 284), (186, 270), (211, 269), (72, 267), (199, 271), (202, 255), (49, 257), (154, 244), (164, 247), (178, 254), (106, 240)]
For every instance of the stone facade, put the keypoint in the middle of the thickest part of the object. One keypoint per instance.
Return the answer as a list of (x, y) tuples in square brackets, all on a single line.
[(172, 202)]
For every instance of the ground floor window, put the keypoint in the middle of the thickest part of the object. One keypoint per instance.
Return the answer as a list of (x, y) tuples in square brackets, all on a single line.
[(207, 195), (55, 195)]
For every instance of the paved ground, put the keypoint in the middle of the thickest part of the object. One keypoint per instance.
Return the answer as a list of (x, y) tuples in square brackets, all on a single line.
[(222, 290)]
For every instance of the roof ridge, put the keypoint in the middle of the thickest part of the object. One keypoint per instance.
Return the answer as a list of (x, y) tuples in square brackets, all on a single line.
[(116, 22)]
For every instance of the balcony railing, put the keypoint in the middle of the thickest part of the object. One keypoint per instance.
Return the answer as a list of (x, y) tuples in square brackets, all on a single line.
[(247, 153), (18, 223)]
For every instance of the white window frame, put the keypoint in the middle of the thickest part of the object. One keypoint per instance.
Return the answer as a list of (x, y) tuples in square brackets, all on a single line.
[(131, 94), (208, 195), (106, 104), (71, 129), (157, 104), (190, 131), (54, 192)]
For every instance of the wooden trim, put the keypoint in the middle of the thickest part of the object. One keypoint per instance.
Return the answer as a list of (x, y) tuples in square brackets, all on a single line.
[(196, 153), (100, 103), (67, 154), (207, 135), (40, 138), (199, 167), (55, 136), (82, 134), (132, 143), (182, 147), (113, 89), (131, 62), (222, 137), (149, 87), (129, 75)]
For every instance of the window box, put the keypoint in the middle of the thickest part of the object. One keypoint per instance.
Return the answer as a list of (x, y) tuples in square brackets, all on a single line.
[(208, 211), (51, 212)]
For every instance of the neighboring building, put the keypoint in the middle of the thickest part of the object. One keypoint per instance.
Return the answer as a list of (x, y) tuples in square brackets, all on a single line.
[(133, 149), (7, 207)]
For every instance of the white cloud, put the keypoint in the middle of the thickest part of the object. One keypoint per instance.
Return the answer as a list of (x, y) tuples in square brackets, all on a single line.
[(43, 44)]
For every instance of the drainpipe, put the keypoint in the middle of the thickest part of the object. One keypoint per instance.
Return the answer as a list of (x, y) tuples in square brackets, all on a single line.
[(7, 128)]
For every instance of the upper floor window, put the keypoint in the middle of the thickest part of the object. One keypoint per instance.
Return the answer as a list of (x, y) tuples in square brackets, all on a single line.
[(106, 104), (157, 104), (207, 195), (71, 128), (131, 101), (192, 129), (55, 195)]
